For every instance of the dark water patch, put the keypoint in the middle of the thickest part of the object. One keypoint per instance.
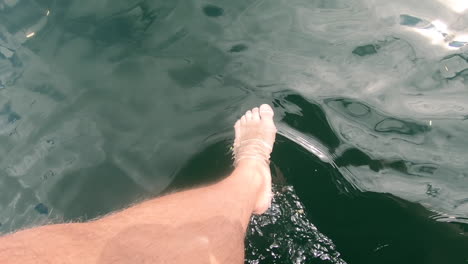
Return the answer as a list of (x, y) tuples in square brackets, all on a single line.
[(368, 227), (412, 21), (48, 174), (366, 50), (399, 165), (119, 29), (213, 11), (416, 22), (312, 119), (419, 169), (407, 20), (429, 169), (374, 120), (357, 109), (238, 48), (393, 125), (463, 76), (457, 44), (461, 56), (11, 116), (432, 191), (196, 171), (189, 76), (356, 157), (42, 209), (49, 90), (268, 85)]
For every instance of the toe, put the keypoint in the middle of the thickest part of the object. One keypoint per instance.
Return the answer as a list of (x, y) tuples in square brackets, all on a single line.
[(255, 114), (266, 111), (237, 128), (243, 120), (237, 131), (237, 124), (248, 115)]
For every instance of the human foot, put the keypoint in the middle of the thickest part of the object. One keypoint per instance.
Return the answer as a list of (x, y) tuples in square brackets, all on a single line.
[(255, 135)]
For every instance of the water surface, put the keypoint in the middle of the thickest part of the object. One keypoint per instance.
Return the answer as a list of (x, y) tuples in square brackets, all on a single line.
[(104, 103)]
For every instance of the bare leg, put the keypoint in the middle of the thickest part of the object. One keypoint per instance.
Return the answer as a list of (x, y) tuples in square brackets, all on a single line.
[(204, 225)]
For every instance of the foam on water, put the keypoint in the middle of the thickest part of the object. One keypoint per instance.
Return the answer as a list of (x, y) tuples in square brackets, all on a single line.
[(284, 234)]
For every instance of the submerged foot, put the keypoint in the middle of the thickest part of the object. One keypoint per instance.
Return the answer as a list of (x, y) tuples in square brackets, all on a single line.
[(255, 135)]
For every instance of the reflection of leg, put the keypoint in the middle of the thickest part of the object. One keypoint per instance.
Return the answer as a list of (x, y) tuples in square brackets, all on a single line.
[(204, 225)]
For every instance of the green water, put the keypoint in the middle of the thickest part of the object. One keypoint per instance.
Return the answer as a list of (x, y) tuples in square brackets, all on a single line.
[(106, 103)]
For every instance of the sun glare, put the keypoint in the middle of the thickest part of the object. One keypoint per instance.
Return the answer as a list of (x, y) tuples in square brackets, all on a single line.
[(458, 6)]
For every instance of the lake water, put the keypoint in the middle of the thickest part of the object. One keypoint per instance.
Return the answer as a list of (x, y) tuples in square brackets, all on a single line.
[(107, 102)]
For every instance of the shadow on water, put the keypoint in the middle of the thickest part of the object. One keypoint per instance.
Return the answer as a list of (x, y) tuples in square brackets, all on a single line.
[(316, 123)]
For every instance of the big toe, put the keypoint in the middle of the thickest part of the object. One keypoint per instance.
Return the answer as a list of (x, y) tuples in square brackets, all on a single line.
[(266, 111), (266, 115)]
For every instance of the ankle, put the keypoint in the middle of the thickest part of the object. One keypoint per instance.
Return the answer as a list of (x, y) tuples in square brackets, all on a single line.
[(252, 173), (253, 165)]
